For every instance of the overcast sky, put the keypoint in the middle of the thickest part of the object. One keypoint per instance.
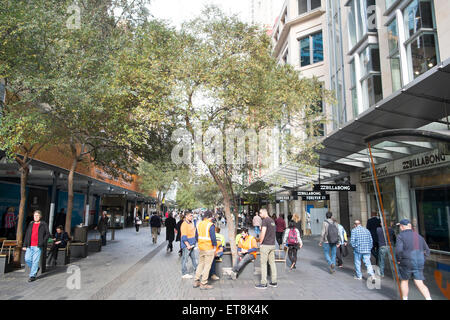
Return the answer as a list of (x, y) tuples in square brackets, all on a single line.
[(178, 11)]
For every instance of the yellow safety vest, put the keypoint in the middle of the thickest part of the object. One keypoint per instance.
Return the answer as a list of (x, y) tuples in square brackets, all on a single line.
[(204, 238), (247, 244)]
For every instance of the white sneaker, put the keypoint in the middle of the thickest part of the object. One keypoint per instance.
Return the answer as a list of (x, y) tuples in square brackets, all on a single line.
[(187, 276)]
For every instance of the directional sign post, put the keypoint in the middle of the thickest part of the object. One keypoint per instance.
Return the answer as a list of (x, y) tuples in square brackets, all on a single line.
[(316, 198)]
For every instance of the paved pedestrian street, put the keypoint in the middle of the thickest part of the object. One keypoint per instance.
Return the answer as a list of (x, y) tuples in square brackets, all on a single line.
[(132, 268)]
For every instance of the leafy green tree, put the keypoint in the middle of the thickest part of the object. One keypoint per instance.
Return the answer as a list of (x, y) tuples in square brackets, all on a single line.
[(71, 74), (227, 79), (159, 176)]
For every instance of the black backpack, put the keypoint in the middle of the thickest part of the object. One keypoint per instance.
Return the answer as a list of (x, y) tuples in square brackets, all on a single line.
[(333, 233)]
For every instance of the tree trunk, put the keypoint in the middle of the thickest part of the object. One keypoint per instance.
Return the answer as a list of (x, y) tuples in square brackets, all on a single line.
[(158, 206), (70, 194), (19, 234), (228, 215)]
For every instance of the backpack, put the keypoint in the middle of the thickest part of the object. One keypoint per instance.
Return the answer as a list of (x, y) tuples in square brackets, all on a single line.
[(292, 237), (333, 233)]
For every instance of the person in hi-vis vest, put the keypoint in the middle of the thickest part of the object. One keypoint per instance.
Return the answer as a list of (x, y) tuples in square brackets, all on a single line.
[(206, 237), (247, 250)]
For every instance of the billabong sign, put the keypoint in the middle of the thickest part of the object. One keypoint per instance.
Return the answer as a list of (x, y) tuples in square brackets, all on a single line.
[(334, 187), (308, 193)]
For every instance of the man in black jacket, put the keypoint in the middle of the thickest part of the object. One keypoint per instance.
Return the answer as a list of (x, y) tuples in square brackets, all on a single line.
[(35, 242), (60, 241), (155, 223)]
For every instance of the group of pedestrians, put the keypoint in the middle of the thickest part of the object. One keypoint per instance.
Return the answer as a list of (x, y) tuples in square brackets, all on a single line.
[(410, 253)]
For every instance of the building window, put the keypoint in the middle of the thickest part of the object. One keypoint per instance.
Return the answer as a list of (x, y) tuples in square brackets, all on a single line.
[(389, 3), (370, 60), (360, 15), (372, 90), (370, 76), (418, 15), (396, 73), (308, 5), (393, 41), (353, 88), (422, 54), (311, 49), (420, 37)]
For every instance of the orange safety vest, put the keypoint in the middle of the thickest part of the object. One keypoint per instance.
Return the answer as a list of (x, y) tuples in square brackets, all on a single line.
[(204, 238), (247, 244)]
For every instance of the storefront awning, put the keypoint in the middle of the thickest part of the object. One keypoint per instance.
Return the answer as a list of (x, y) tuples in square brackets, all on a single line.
[(422, 104)]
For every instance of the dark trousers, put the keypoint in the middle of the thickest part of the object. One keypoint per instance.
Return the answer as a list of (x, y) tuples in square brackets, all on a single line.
[(339, 256), (10, 233), (292, 253), (103, 235), (53, 255), (137, 228), (170, 245), (279, 236), (374, 252)]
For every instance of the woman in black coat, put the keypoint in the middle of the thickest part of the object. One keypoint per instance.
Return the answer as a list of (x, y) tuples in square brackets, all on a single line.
[(170, 231)]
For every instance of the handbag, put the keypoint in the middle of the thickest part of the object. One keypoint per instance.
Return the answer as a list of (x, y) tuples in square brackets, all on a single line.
[(344, 250)]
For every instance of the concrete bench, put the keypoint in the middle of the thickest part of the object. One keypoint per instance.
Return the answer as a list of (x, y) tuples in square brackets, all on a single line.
[(63, 257), (78, 250), (95, 245)]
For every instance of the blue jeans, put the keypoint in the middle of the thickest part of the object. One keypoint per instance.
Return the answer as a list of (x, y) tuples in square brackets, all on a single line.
[(382, 251), (32, 258), (184, 260), (257, 231), (326, 250), (366, 259)]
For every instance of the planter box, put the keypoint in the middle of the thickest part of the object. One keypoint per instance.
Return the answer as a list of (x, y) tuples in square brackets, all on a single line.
[(78, 250), (3, 264), (95, 245), (63, 257)]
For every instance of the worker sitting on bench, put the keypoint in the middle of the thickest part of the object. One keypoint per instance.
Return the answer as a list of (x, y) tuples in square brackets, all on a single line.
[(247, 249)]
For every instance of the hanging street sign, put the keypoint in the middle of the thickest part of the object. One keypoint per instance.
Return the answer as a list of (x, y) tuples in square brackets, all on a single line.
[(316, 198), (334, 187), (308, 193)]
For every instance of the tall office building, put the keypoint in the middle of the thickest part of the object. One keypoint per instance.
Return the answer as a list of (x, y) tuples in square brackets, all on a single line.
[(265, 12)]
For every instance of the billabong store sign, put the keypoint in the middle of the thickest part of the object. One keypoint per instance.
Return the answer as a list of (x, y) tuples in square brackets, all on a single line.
[(409, 164), (334, 187)]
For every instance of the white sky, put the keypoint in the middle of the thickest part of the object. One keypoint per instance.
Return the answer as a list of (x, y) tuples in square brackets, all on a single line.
[(178, 11)]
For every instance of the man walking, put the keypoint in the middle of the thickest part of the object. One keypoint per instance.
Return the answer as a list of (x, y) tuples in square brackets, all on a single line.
[(372, 224), (188, 241), (257, 221), (330, 241), (267, 250), (361, 241), (383, 248), (102, 227), (411, 251), (281, 226), (35, 242), (247, 249), (155, 224), (206, 234)]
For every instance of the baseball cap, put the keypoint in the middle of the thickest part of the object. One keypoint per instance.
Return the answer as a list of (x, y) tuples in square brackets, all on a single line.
[(404, 222)]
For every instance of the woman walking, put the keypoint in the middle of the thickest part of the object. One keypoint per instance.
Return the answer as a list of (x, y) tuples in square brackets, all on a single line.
[(137, 223), (293, 241)]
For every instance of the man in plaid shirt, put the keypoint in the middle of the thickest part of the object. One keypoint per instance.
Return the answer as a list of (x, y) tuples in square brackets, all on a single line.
[(361, 241)]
